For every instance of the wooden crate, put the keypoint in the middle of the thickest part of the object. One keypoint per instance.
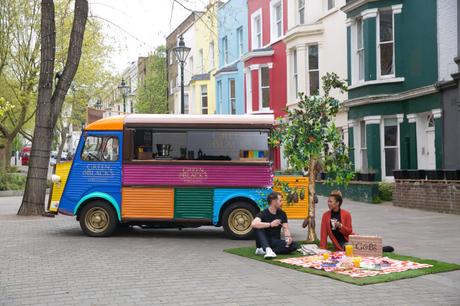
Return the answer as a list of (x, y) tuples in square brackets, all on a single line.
[(366, 245)]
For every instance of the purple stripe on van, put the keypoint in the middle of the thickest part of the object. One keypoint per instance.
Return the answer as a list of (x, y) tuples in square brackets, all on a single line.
[(198, 175)]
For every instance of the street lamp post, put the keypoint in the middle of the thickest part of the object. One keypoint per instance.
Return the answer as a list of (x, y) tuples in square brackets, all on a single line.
[(181, 52), (124, 90)]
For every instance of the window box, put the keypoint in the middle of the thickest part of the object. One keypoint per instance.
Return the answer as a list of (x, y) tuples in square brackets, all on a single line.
[(366, 177), (452, 175), (434, 175), (416, 174)]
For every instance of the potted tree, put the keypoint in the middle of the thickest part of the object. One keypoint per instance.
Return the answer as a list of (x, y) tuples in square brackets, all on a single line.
[(309, 137)]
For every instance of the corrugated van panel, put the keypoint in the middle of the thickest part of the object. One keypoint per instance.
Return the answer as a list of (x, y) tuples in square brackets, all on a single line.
[(198, 175), (147, 203), (193, 203), (296, 210)]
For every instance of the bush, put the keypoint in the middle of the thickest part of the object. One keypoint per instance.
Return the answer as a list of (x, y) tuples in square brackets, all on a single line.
[(376, 200), (10, 181), (386, 191)]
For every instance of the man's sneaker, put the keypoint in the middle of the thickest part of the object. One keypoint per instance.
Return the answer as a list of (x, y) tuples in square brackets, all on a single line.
[(260, 251), (269, 253)]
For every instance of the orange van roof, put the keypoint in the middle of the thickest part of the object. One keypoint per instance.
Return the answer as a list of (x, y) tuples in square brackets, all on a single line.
[(114, 123)]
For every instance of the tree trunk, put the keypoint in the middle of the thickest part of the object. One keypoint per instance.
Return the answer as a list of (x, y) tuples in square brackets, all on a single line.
[(311, 235), (8, 145), (49, 102)]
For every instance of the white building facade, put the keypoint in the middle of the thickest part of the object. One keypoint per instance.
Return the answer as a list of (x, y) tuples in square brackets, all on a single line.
[(315, 45)]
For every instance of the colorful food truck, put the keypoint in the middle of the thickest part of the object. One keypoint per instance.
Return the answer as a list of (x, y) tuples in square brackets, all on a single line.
[(167, 171)]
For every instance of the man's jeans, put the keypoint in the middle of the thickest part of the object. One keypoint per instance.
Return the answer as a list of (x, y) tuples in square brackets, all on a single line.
[(277, 245)]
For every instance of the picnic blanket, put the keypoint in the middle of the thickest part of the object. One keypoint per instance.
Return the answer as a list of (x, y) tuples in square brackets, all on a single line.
[(370, 266)]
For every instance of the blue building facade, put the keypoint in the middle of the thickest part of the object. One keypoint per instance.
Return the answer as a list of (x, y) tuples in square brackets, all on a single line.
[(232, 22)]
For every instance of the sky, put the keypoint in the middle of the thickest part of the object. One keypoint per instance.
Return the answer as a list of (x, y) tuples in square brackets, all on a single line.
[(136, 27)]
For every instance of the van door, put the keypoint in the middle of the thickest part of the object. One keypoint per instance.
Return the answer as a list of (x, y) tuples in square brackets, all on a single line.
[(96, 171)]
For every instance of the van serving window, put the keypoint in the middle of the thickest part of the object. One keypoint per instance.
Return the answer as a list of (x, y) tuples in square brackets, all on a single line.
[(100, 149)]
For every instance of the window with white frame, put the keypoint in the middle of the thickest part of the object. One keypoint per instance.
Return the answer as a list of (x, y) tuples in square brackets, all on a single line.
[(363, 146), (257, 30), (204, 99), (295, 74), (225, 50), (239, 38), (232, 96), (301, 11), (201, 59), (360, 48), (330, 4), (171, 86), (390, 145), (248, 92), (211, 55), (171, 57), (264, 88), (386, 43), (219, 94), (313, 69), (276, 19)]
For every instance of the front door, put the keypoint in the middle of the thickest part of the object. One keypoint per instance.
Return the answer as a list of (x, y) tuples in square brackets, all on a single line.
[(430, 153)]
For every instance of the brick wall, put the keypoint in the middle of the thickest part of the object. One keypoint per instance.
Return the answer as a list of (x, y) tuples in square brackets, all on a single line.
[(440, 196)]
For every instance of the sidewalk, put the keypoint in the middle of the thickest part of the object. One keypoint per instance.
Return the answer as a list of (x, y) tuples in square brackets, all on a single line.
[(48, 261)]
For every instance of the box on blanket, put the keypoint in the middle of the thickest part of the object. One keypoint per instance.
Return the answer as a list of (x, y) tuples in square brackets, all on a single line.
[(366, 245)]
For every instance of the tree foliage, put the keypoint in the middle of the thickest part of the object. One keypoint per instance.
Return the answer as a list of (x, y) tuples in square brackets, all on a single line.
[(152, 97), (310, 140)]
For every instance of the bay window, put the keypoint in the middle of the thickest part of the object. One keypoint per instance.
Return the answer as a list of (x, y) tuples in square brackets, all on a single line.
[(295, 73), (390, 145), (264, 88), (204, 99), (313, 69), (232, 96)]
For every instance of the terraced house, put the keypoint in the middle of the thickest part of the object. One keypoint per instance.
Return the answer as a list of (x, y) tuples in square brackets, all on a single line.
[(394, 108), (203, 61), (233, 37), (315, 44)]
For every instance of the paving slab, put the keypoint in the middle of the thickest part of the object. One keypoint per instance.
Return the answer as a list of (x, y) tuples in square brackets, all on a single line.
[(49, 261)]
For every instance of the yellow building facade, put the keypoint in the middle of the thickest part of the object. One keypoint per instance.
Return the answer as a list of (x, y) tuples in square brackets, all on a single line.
[(205, 62)]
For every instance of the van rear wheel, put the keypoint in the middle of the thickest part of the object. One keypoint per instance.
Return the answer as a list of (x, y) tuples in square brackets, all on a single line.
[(98, 219), (237, 219)]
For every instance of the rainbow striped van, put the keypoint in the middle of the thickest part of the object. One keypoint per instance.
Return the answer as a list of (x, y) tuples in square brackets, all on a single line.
[(158, 171)]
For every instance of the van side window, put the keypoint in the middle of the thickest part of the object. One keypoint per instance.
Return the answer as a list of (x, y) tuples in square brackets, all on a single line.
[(100, 149)]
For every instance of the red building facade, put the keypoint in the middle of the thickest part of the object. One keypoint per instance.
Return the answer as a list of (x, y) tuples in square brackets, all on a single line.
[(265, 63)]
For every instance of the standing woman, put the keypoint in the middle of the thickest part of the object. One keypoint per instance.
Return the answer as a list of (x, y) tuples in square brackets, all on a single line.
[(336, 223)]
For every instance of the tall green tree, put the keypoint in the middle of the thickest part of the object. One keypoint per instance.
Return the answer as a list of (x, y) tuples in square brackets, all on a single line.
[(50, 98), (311, 141), (19, 67), (152, 97)]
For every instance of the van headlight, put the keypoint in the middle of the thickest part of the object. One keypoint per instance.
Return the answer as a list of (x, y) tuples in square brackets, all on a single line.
[(55, 178)]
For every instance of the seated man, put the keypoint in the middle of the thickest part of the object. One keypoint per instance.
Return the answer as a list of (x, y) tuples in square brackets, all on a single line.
[(268, 224)]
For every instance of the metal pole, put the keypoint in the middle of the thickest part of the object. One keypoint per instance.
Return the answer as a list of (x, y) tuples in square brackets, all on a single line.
[(124, 104), (182, 102)]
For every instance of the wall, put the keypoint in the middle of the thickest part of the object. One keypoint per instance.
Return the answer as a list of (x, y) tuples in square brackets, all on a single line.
[(451, 128), (433, 196), (447, 38)]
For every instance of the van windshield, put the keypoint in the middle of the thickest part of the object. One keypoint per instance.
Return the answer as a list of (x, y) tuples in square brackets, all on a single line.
[(100, 148)]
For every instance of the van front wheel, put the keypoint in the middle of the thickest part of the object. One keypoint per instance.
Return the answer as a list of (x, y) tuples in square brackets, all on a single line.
[(98, 219), (237, 219)]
